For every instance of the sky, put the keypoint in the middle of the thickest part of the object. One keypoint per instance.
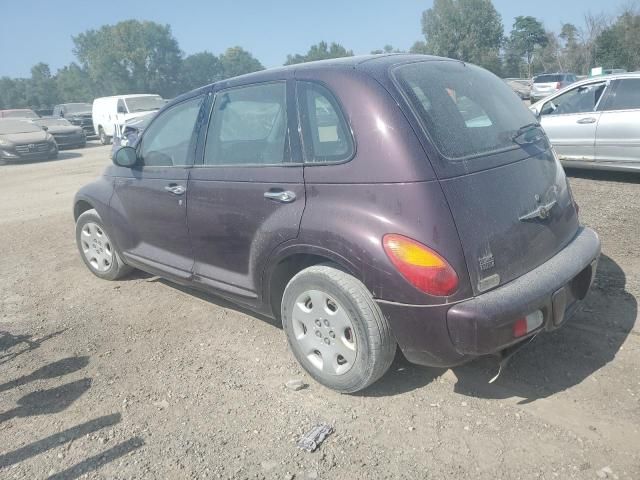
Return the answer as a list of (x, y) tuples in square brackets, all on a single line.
[(35, 31)]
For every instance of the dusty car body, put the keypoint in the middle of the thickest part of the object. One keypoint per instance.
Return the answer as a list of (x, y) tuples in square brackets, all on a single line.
[(595, 123), (20, 140), (366, 202), (64, 133)]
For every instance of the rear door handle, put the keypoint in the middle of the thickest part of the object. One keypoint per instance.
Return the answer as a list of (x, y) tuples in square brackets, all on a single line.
[(175, 189), (582, 121), (285, 196)]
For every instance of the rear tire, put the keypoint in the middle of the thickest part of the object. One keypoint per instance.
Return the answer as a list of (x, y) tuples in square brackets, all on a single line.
[(335, 329), (96, 248)]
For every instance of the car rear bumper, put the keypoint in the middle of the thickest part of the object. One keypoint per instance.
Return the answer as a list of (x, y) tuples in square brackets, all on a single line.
[(447, 335)]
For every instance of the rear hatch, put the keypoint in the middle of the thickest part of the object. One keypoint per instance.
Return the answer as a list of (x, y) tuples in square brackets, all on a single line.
[(506, 190), (544, 85)]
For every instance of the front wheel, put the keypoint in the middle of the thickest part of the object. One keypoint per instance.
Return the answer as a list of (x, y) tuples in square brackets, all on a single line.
[(335, 329), (96, 248), (104, 138)]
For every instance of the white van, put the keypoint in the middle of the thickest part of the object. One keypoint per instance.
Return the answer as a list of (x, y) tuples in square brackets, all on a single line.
[(109, 113)]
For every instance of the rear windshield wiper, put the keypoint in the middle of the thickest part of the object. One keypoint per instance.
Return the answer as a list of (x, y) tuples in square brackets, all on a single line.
[(521, 137)]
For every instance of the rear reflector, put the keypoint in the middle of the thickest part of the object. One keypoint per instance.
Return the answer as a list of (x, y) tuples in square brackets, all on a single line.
[(527, 324), (421, 266)]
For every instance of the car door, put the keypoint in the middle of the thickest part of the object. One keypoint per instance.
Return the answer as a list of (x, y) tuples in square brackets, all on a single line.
[(247, 194), (149, 203), (570, 120), (618, 132)]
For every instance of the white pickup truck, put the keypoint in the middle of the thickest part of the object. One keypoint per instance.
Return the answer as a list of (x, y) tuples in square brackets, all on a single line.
[(110, 112)]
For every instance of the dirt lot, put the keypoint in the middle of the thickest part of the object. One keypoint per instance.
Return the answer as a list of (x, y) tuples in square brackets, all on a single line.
[(141, 379)]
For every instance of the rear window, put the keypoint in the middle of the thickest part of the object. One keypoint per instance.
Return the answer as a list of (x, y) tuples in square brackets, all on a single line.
[(548, 78), (465, 110)]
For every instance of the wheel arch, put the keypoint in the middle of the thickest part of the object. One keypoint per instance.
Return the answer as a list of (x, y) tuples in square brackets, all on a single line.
[(288, 262)]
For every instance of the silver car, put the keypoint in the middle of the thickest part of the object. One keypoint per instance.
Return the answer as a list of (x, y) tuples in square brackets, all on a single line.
[(549, 83), (595, 123)]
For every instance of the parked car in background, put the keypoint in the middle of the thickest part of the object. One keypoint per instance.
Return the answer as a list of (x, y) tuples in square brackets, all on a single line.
[(547, 83), (65, 134), (107, 112), (366, 202), (129, 133), (19, 113), (521, 86), (595, 123), (77, 114), (21, 140)]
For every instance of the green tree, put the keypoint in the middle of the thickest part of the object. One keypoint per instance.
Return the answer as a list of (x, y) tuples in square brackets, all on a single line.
[(131, 57), (527, 34), (469, 30), (41, 89), (386, 49), (200, 69), (320, 51), (73, 84), (13, 93), (237, 61), (618, 46)]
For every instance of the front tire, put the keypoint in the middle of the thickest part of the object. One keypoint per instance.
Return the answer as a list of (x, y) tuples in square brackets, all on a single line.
[(96, 248), (104, 138), (335, 329)]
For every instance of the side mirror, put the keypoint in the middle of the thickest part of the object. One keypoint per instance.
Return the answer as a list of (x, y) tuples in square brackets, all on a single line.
[(125, 157), (536, 112)]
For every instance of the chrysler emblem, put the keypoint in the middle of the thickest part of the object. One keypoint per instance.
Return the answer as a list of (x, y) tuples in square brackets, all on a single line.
[(542, 212)]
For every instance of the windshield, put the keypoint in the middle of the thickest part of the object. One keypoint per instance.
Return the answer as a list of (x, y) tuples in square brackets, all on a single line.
[(141, 122), (465, 110), (548, 78), (52, 122), (144, 104), (25, 113), (78, 108), (16, 126)]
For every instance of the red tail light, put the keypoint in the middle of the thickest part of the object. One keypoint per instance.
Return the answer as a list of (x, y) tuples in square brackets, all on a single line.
[(422, 267)]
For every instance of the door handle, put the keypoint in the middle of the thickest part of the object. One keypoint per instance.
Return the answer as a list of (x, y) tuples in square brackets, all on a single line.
[(175, 189), (285, 196), (583, 121)]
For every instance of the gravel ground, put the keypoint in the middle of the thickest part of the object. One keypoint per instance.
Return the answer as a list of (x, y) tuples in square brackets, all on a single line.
[(143, 379)]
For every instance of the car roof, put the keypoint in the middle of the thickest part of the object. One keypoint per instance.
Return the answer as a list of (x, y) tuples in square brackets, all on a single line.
[(354, 62), (130, 95), (375, 65)]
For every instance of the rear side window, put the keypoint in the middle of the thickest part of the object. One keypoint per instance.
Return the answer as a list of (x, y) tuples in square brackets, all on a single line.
[(248, 126), (548, 78), (327, 138), (625, 96), (465, 110)]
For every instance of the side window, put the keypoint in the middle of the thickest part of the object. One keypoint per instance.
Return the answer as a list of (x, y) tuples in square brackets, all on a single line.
[(582, 99), (169, 140), (327, 138), (121, 108), (248, 126), (625, 96)]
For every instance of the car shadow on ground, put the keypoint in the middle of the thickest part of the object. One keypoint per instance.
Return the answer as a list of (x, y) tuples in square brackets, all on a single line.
[(553, 362), (604, 175)]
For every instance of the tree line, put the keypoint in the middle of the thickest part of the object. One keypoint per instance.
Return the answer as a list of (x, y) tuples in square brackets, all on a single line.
[(137, 57)]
